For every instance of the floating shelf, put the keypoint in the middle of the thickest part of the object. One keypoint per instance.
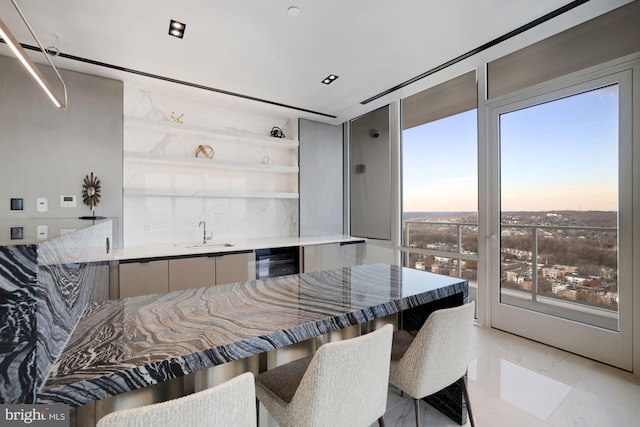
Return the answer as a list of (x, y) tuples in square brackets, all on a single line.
[(160, 159), (146, 192), (208, 133), (203, 167)]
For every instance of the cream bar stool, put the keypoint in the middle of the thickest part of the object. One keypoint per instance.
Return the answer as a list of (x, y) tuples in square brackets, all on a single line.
[(232, 403), (344, 383), (435, 357)]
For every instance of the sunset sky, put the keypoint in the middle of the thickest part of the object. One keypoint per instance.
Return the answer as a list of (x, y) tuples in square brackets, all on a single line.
[(561, 155)]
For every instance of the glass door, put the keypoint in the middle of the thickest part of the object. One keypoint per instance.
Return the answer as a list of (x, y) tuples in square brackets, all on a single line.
[(562, 218)]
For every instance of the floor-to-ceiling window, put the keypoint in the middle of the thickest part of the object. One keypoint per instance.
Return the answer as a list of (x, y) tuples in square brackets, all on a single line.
[(558, 213), (559, 206), (439, 180), (561, 162)]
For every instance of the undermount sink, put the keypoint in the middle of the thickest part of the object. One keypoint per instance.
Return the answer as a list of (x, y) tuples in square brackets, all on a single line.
[(208, 245)]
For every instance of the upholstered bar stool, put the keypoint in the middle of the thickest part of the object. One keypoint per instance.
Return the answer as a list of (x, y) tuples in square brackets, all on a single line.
[(435, 357), (344, 383), (232, 403)]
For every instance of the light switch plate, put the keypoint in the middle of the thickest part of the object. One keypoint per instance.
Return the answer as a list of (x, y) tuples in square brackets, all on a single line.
[(43, 232), (42, 204)]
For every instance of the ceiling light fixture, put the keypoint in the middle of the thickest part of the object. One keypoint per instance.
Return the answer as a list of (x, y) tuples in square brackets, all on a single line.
[(176, 29), (16, 48), (329, 79)]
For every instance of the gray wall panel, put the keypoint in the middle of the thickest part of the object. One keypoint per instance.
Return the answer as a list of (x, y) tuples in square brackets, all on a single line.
[(321, 178), (371, 176), (46, 152)]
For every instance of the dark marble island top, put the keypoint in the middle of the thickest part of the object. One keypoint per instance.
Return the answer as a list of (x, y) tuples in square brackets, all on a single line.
[(123, 345)]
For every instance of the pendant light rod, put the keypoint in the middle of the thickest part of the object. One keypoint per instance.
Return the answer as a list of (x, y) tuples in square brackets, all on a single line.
[(17, 49)]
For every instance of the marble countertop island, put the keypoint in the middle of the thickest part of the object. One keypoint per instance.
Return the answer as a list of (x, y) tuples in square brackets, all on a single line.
[(123, 345)]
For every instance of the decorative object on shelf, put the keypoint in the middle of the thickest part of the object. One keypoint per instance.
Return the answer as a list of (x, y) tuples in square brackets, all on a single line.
[(205, 151), (91, 191), (276, 132), (265, 160), (176, 119)]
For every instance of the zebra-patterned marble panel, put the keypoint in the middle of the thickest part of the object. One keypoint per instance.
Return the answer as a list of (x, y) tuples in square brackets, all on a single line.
[(128, 344), (44, 290), (18, 272), (72, 272)]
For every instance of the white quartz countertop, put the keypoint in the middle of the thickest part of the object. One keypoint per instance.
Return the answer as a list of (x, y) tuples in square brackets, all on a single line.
[(222, 246)]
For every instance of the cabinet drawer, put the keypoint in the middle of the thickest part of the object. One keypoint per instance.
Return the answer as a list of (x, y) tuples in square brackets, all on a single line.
[(333, 255), (144, 278), (234, 268), (189, 273)]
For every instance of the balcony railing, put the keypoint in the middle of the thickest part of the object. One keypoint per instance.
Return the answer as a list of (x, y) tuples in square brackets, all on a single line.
[(442, 242), (453, 249)]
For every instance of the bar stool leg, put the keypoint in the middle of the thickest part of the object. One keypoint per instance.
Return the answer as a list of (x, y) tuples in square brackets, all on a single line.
[(381, 421), (467, 400), (417, 407)]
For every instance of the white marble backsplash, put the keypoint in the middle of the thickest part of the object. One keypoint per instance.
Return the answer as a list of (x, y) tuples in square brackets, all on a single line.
[(150, 220), (164, 201)]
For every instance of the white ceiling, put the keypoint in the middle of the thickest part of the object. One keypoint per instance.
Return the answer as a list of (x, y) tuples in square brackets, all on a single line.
[(254, 48)]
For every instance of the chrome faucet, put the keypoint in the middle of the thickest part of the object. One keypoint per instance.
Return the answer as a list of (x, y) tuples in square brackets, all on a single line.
[(204, 232)]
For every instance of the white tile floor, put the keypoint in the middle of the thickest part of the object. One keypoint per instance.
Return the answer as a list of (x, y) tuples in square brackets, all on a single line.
[(517, 382)]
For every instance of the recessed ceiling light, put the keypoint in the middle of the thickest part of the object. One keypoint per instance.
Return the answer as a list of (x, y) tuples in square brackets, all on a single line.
[(329, 79), (176, 29), (293, 11)]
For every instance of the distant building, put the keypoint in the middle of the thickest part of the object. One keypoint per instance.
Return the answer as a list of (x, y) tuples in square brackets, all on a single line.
[(511, 276), (571, 294), (612, 296), (556, 288), (575, 279), (557, 271)]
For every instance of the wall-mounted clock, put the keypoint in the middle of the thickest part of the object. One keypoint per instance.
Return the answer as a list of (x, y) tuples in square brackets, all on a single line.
[(91, 191)]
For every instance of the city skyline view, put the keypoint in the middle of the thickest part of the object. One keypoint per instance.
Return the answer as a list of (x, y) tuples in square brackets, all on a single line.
[(559, 155)]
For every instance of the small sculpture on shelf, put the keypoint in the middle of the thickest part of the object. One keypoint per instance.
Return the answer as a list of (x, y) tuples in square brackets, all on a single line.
[(176, 119), (276, 132), (205, 151)]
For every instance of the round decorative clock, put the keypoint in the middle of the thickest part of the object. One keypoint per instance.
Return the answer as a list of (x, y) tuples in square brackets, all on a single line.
[(91, 191)]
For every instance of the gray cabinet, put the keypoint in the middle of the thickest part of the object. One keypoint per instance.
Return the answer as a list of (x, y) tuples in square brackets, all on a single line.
[(333, 255), (231, 268), (189, 273), (143, 278), (166, 275)]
